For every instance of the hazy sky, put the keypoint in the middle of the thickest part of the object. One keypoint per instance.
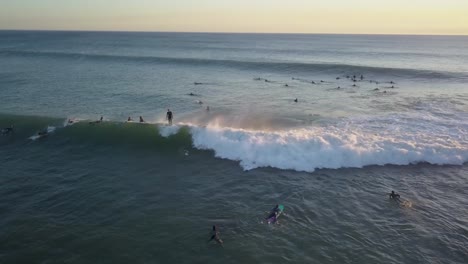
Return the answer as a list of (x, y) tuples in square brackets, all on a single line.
[(288, 16)]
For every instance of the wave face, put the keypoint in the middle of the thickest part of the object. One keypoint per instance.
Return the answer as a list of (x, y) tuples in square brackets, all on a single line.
[(271, 66), (398, 139)]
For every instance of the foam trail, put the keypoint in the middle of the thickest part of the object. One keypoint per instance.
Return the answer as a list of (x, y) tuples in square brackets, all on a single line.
[(398, 140), (50, 129)]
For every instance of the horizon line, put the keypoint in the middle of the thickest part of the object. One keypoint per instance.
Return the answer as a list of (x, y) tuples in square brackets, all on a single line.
[(237, 32)]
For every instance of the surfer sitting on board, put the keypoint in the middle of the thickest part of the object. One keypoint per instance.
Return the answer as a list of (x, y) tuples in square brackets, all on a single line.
[(394, 195), (129, 119), (141, 120), (215, 236), (274, 214)]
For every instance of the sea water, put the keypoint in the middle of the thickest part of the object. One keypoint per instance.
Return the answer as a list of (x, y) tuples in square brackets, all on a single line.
[(374, 113)]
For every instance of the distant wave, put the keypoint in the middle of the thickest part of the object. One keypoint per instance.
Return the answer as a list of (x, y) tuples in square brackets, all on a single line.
[(398, 139), (285, 67)]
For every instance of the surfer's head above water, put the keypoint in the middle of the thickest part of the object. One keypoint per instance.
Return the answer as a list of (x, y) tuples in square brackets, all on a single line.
[(215, 235), (394, 195)]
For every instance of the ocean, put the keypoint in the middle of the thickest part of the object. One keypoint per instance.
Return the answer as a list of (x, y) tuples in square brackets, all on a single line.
[(326, 125)]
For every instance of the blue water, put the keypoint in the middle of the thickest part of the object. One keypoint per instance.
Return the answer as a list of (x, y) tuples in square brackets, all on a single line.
[(127, 192)]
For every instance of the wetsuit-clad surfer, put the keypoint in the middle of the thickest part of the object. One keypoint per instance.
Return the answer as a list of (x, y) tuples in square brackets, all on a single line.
[(141, 120), (215, 236), (272, 217), (394, 195), (169, 117)]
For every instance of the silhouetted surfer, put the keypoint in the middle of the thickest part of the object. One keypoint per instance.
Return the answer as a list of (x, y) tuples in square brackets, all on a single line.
[(43, 133), (141, 120), (215, 236), (394, 195), (129, 119), (169, 117), (97, 121), (295, 100)]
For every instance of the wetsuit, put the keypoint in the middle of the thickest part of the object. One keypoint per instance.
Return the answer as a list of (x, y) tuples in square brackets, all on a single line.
[(169, 117)]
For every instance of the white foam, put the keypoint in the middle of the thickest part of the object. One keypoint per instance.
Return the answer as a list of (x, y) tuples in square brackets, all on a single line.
[(168, 130), (399, 139), (50, 129)]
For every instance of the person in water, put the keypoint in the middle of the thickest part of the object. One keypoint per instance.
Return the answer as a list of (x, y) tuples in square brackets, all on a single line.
[(169, 116), (97, 121), (7, 130), (394, 195), (274, 213), (295, 100), (129, 119), (215, 236), (141, 120), (43, 133)]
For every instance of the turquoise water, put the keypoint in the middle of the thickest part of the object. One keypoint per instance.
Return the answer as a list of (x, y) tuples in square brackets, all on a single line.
[(118, 192)]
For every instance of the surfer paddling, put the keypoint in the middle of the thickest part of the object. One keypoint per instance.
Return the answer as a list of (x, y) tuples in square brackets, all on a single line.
[(97, 121), (275, 213), (215, 236)]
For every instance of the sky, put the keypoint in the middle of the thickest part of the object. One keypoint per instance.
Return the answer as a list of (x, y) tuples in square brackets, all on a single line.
[(433, 17)]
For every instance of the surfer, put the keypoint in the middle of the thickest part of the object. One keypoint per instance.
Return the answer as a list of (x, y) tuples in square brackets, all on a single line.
[(169, 116), (215, 236), (97, 121), (7, 130), (295, 100), (141, 120), (43, 133), (129, 119), (274, 214), (394, 195), (191, 94)]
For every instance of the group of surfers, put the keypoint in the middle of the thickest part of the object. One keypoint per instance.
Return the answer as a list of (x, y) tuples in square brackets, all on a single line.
[(273, 218)]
